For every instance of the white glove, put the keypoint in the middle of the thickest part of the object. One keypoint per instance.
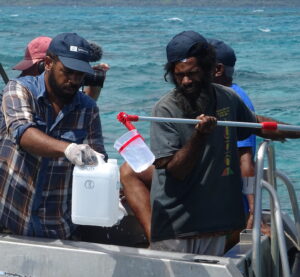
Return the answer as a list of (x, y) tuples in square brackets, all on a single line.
[(81, 154)]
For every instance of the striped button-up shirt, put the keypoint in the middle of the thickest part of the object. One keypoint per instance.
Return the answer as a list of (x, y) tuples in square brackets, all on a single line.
[(35, 192)]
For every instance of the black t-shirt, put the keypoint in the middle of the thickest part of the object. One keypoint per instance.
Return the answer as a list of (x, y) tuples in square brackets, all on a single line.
[(210, 198)]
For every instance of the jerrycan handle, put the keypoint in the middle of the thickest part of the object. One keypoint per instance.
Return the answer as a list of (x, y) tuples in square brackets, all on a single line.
[(100, 158)]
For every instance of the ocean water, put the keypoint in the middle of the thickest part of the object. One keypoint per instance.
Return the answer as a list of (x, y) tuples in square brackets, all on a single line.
[(266, 41)]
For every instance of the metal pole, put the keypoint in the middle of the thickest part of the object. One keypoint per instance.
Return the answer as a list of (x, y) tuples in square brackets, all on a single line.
[(284, 127), (256, 255), (196, 121), (294, 202), (3, 74), (274, 235), (219, 123)]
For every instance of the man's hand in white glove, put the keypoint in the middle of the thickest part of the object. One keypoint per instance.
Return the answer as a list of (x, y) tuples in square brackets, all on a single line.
[(81, 154)]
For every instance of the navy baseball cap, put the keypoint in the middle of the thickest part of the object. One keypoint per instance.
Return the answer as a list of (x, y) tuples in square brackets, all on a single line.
[(179, 46), (73, 51), (224, 53)]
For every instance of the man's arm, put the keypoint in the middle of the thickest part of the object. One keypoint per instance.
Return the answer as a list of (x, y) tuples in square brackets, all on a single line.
[(274, 134), (23, 129), (38, 143), (94, 91), (21, 126), (246, 161), (183, 161)]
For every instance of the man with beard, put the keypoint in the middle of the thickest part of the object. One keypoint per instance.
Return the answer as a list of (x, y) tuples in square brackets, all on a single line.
[(35, 53), (136, 186), (191, 103), (196, 191), (49, 127)]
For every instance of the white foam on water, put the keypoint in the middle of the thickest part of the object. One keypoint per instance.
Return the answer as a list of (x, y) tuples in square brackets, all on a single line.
[(174, 19), (265, 30)]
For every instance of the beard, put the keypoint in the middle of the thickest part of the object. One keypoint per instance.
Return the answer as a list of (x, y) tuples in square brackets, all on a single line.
[(194, 99), (65, 92)]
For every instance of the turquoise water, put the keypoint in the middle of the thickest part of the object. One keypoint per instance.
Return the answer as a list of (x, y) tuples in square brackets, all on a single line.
[(266, 41)]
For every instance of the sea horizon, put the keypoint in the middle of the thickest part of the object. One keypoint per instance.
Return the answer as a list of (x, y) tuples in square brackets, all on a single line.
[(162, 3)]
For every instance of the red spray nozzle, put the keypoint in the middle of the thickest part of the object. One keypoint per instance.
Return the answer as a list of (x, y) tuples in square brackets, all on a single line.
[(122, 117), (126, 119)]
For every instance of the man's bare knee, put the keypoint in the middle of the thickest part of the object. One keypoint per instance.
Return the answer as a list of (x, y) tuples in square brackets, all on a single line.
[(129, 178), (126, 171)]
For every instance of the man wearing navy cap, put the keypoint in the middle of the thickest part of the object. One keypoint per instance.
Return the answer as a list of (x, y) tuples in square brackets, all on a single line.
[(196, 191), (49, 127)]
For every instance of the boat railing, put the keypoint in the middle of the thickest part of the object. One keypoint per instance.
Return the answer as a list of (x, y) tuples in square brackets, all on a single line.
[(278, 244)]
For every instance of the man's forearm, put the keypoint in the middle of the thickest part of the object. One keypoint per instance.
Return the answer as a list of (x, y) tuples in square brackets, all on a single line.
[(38, 143), (92, 91), (183, 161), (274, 134)]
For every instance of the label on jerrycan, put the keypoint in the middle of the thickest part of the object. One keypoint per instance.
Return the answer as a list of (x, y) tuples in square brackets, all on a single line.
[(89, 184)]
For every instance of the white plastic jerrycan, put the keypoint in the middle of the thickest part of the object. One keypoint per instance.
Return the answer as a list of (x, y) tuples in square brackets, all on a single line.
[(95, 194)]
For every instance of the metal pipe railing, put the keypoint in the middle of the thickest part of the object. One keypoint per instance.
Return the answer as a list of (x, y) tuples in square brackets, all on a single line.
[(279, 229), (277, 232), (256, 255), (294, 202), (271, 177)]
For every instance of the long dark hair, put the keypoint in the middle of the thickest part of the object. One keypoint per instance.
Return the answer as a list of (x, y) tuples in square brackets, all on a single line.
[(206, 60)]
